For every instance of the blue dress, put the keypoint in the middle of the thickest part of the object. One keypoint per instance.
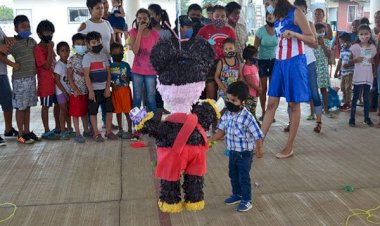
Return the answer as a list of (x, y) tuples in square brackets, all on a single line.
[(289, 77)]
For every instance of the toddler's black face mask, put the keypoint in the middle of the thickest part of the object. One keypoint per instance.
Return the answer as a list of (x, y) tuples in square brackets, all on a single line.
[(97, 49), (117, 57), (46, 38), (232, 107)]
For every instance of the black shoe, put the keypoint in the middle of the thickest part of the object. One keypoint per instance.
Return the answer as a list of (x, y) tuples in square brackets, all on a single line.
[(352, 122), (368, 122), (33, 136), (12, 133), (2, 142)]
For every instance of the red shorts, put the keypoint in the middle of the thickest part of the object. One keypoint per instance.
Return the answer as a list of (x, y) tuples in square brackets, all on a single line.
[(78, 106), (170, 165), (122, 100)]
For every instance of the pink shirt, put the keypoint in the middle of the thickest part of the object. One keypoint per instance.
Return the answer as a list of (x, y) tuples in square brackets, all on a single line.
[(250, 72), (141, 62)]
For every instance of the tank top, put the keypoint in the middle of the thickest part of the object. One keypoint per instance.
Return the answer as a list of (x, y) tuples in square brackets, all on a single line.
[(288, 48), (105, 30), (229, 74)]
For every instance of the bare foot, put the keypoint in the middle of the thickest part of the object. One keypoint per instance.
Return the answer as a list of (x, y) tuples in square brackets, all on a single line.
[(286, 151), (259, 154)]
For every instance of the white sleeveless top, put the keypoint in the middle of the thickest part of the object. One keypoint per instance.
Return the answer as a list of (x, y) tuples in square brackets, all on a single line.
[(309, 52), (105, 30)]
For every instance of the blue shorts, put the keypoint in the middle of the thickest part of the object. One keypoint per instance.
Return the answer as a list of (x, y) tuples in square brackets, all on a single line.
[(49, 101), (290, 80), (5, 93)]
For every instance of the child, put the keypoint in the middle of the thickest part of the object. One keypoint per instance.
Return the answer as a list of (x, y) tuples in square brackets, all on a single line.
[(121, 93), (23, 78), (250, 76), (363, 53), (215, 33), (322, 54), (98, 80), (346, 70), (45, 60), (242, 135), (117, 20), (78, 100), (62, 90), (228, 69)]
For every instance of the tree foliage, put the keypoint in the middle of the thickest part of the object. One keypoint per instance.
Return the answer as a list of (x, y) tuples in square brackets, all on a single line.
[(6, 13)]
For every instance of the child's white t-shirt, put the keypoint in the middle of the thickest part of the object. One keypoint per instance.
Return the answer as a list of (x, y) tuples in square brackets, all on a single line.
[(61, 69)]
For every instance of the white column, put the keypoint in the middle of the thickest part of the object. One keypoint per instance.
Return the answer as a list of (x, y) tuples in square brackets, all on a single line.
[(375, 6), (131, 7)]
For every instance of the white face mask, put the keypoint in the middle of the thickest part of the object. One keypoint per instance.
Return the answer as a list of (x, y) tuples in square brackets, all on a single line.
[(270, 9), (81, 50), (321, 35)]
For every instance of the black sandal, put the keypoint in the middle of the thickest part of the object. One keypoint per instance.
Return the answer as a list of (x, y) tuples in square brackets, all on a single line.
[(318, 127)]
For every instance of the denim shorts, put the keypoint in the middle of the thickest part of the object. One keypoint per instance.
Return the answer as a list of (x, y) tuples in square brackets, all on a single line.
[(5, 93)]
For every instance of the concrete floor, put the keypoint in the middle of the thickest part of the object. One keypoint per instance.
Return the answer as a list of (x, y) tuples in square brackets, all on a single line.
[(62, 183)]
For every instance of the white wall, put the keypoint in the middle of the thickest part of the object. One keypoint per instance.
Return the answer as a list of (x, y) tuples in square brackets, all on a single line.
[(55, 11)]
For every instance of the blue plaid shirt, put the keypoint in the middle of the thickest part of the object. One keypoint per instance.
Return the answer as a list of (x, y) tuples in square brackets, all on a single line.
[(241, 130)]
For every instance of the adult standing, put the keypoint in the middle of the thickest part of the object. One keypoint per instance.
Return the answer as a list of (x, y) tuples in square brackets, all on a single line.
[(5, 91), (289, 77), (98, 24), (266, 41), (316, 103), (143, 38), (233, 14), (320, 18)]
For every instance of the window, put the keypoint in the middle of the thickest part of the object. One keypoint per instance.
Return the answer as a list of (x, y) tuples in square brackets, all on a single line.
[(78, 15), (352, 13)]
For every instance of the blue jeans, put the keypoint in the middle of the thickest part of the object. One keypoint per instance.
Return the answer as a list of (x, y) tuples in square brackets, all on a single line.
[(149, 83), (357, 89), (312, 72), (239, 166)]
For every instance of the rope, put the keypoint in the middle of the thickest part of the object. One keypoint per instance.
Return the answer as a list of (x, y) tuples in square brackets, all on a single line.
[(358, 212), (13, 212)]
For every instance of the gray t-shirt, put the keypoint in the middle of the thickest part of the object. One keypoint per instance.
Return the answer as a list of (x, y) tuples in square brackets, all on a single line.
[(97, 63), (3, 67), (23, 52)]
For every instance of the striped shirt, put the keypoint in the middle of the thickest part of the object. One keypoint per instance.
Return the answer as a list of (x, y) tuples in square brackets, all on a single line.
[(241, 130), (97, 63), (288, 48), (23, 53)]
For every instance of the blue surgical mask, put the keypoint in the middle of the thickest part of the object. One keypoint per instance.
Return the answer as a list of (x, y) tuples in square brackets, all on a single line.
[(270, 9), (25, 34), (81, 50), (188, 34)]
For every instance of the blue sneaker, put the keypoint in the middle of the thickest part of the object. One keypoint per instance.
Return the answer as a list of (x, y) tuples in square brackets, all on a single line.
[(233, 199), (244, 206), (51, 135), (80, 139)]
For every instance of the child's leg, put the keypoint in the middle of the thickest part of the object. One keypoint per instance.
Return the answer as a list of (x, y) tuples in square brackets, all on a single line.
[(129, 121), (349, 88), (343, 89), (85, 123), (233, 173), (244, 164), (62, 116), (76, 125), (57, 118), (45, 118), (325, 99), (94, 123), (354, 101), (119, 121), (20, 115), (27, 120), (108, 122), (366, 89)]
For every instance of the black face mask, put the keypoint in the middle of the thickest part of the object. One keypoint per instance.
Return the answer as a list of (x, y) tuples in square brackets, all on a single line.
[(253, 60), (270, 24), (46, 38), (232, 107), (97, 49), (153, 22), (117, 57), (230, 54), (195, 20)]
